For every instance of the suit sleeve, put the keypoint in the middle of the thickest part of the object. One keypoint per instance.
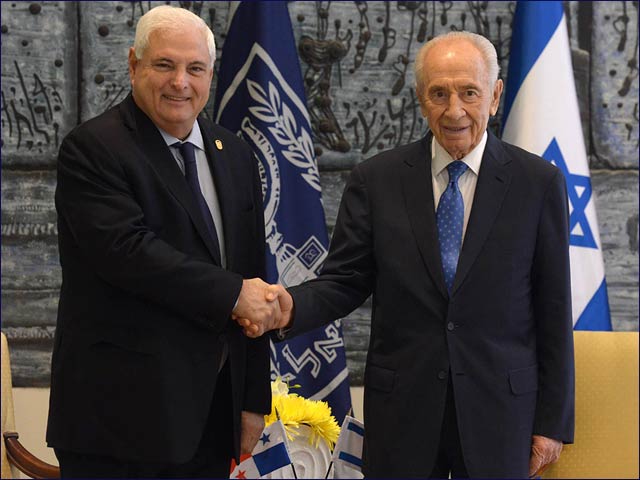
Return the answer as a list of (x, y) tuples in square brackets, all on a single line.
[(100, 216), (551, 283), (349, 270), (258, 375)]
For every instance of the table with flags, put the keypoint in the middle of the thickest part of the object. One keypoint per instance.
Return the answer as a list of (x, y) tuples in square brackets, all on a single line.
[(271, 457)]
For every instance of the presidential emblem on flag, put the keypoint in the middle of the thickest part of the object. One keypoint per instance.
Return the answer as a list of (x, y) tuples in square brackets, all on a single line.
[(272, 125)]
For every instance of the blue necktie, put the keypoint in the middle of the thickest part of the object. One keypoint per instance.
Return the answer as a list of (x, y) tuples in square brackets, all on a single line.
[(450, 219), (191, 174)]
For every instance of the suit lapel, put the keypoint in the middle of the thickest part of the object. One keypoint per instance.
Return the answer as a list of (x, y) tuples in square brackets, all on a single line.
[(219, 165), (160, 157), (418, 195), (493, 181)]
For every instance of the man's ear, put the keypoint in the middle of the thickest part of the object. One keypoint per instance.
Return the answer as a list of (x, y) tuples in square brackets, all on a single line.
[(497, 92), (133, 63)]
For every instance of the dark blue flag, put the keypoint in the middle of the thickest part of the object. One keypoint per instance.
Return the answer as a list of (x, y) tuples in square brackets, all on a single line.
[(260, 95)]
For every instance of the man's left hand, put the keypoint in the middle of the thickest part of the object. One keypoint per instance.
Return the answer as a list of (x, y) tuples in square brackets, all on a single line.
[(544, 451), (254, 327), (252, 425)]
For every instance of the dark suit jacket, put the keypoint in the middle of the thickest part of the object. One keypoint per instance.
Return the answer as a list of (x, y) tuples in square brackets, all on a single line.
[(144, 307), (504, 334)]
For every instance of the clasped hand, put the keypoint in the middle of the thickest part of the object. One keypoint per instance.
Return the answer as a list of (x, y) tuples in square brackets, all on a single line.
[(262, 307)]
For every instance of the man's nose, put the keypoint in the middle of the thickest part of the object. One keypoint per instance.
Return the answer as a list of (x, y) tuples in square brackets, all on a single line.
[(455, 108), (179, 80)]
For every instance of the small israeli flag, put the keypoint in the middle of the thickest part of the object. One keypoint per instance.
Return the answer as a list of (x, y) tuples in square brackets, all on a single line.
[(347, 455), (541, 115)]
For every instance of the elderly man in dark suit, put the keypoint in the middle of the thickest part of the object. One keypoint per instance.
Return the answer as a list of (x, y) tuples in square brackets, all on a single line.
[(161, 238), (463, 241)]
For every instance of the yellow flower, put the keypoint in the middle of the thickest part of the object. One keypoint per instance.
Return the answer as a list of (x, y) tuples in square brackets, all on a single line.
[(295, 410), (278, 387)]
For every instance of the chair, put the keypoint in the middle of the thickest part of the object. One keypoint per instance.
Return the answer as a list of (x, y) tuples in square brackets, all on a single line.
[(606, 434), (14, 456)]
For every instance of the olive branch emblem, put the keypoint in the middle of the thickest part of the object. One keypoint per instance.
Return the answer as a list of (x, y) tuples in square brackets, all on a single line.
[(281, 122)]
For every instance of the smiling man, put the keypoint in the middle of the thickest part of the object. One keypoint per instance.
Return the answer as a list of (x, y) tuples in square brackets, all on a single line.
[(161, 238), (463, 242), (458, 91)]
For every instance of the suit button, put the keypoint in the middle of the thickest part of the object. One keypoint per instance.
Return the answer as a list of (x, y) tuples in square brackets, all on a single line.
[(450, 326), (442, 374)]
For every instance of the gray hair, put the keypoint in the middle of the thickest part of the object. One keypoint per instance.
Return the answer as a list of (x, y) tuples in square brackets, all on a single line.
[(486, 48), (166, 17)]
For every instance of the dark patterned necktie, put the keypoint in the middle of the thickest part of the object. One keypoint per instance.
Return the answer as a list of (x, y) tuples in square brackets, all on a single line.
[(191, 174), (450, 220)]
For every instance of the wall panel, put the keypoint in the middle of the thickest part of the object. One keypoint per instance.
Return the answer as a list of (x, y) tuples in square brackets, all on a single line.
[(39, 57)]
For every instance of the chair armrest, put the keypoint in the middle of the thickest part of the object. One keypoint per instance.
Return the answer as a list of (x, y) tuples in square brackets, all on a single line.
[(26, 462)]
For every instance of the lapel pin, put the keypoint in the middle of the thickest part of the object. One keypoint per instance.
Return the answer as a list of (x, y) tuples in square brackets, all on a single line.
[(219, 144)]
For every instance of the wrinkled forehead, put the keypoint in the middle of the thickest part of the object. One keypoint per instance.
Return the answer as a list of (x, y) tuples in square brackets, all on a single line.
[(455, 59)]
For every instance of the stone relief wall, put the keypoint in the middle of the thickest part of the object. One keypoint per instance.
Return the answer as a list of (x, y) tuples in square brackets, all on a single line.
[(65, 62)]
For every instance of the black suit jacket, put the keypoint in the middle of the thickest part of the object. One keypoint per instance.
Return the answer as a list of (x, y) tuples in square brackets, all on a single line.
[(144, 308), (504, 334)]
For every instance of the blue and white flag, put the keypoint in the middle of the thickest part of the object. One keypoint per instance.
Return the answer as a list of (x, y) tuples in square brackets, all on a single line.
[(260, 95), (542, 116), (270, 455), (347, 454)]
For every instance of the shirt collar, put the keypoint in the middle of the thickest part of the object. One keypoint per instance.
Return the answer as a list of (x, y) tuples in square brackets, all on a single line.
[(440, 158), (194, 137)]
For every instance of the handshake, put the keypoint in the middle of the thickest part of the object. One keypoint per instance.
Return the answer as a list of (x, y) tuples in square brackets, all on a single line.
[(262, 307)]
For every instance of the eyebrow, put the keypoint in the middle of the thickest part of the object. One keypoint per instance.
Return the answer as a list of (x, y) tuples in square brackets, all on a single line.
[(162, 59), (169, 60), (466, 86), (435, 88)]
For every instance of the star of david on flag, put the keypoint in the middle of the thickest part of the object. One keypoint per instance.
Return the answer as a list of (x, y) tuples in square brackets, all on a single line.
[(579, 192), (541, 115), (260, 95), (270, 455)]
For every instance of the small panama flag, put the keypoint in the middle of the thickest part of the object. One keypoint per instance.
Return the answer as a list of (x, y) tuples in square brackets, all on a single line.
[(270, 454), (347, 456)]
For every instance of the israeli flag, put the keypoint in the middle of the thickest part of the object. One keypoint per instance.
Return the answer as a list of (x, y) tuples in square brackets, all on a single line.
[(542, 116), (347, 454), (260, 95)]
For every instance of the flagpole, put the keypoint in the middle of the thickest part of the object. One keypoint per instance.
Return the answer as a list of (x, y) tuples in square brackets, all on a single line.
[(329, 470), (350, 414), (293, 468)]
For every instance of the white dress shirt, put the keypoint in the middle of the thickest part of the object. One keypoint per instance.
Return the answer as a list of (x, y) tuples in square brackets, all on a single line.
[(467, 182)]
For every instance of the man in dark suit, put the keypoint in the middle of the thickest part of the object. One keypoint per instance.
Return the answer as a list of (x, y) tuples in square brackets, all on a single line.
[(160, 224), (463, 241)]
